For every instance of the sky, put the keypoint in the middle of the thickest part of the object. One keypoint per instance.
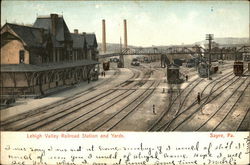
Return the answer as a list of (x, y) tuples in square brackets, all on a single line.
[(148, 22)]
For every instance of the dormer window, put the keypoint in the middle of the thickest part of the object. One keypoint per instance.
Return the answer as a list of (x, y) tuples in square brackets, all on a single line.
[(21, 56)]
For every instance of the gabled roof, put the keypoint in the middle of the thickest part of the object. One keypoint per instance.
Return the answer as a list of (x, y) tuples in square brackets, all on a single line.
[(32, 37), (78, 40), (91, 40), (62, 31)]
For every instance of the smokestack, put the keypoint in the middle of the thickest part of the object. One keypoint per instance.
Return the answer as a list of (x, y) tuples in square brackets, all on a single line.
[(103, 36), (125, 34), (76, 31), (54, 18)]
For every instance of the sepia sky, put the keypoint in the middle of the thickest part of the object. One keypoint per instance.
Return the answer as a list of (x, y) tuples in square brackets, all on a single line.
[(149, 22)]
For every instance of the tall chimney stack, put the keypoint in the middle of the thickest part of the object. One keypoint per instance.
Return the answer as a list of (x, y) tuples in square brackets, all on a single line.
[(103, 36), (125, 34), (54, 19)]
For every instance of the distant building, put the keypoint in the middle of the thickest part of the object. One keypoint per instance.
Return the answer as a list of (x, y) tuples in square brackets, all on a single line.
[(39, 58)]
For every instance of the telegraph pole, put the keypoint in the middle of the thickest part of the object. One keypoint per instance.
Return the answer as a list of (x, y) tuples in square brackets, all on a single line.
[(209, 37)]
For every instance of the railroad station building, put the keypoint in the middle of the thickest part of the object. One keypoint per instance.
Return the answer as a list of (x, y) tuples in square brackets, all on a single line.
[(45, 57)]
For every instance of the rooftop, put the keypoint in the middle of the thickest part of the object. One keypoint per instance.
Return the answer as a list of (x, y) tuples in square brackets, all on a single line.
[(45, 66)]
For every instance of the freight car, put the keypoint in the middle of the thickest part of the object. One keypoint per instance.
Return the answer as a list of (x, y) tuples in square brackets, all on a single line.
[(249, 67), (105, 65), (173, 74), (238, 68)]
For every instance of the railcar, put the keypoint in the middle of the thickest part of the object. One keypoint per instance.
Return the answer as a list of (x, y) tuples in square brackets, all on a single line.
[(105, 65), (238, 68), (173, 74), (135, 62), (249, 67), (203, 70)]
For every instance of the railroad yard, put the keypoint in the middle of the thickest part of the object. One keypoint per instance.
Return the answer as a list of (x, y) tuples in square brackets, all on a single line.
[(139, 98)]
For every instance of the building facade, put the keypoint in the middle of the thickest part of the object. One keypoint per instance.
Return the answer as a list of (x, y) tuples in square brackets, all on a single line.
[(36, 59)]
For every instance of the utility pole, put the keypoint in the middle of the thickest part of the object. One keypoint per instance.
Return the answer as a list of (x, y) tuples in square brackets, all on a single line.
[(209, 37)]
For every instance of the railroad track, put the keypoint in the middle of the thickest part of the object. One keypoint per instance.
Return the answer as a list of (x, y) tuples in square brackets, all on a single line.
[(245, 121), (61, 103), (221, 116), (156, 127), (75, 123), (43, 119), (126, 110), (166, 125), (80, 123), (235, 118), (197, 107)]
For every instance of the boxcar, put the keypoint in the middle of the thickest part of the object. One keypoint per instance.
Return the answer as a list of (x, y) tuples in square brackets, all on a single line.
[(105, 65), (238, 68), (249, 67)]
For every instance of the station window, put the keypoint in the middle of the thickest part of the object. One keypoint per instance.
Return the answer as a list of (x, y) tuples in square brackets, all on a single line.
[(21, 56)]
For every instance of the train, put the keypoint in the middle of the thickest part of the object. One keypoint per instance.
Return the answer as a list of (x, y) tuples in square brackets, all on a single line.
[(135, 62), (105, 65), (203, 69), (173, 74), (238, 68)]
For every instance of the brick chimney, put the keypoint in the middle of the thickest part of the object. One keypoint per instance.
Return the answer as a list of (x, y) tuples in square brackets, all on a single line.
[(42, 35), (125, 34), (76, 31), (54, 20), (103, 36)]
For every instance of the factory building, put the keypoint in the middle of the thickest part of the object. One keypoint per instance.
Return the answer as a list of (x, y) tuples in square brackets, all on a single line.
[(36, 59)]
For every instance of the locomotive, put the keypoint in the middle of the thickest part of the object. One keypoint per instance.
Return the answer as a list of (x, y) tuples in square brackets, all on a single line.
[(238, 68), (173, 74), (203, 69)]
